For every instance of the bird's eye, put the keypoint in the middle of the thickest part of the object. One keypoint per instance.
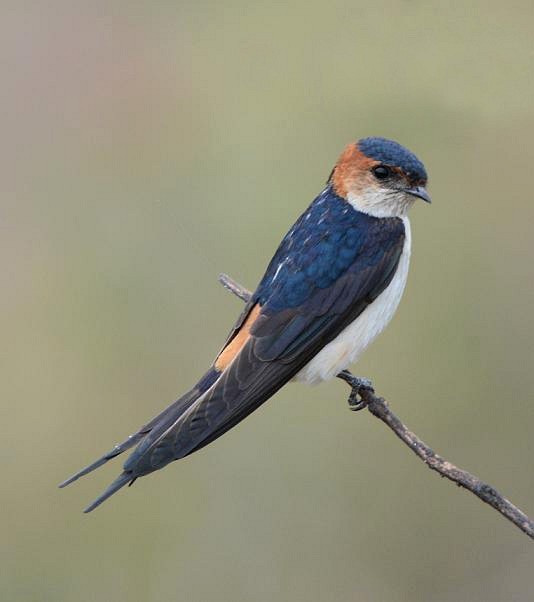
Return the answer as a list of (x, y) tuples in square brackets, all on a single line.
[(381, 172)]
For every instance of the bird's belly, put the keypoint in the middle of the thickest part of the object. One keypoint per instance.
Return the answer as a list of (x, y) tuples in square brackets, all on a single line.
[(347, 347)]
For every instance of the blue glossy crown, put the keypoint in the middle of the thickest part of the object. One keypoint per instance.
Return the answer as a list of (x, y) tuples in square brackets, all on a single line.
[(393, 154)]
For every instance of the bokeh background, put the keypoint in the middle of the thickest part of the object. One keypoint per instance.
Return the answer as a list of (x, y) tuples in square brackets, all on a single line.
[(148, 147)]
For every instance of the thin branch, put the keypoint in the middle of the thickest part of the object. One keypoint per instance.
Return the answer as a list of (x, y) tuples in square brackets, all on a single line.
[(363, 396), (235, 288)]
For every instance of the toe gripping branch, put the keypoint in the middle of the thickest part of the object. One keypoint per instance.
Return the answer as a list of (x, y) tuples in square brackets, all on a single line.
[(361, 389)]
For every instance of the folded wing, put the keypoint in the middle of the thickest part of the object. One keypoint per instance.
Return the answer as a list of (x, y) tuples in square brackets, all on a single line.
[(316, 285)]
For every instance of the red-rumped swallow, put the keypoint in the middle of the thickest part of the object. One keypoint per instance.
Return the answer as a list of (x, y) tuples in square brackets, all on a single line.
[(332, 286)]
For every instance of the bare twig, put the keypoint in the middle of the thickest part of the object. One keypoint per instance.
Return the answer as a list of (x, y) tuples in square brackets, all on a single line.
[(363, 396), (232, 286)]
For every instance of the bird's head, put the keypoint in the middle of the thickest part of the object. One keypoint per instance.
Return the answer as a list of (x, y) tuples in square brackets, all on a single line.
[(379, 177)]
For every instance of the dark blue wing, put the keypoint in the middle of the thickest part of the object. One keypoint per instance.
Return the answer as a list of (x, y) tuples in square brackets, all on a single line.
[(329, 267)]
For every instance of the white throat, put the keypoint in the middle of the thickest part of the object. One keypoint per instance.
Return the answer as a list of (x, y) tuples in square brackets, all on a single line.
[(380, 203)]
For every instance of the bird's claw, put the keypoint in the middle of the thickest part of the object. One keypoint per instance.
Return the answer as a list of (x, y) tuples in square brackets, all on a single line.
[(357, 384), (356, 403)]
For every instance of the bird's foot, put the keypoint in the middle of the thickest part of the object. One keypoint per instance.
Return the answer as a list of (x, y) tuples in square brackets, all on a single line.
[(358, 385)]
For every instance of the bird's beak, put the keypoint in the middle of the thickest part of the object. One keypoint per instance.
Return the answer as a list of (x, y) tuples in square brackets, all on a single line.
[(420, 192)]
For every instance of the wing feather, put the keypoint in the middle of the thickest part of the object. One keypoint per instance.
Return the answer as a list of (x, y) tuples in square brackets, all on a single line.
[(279, 343), (329, 267)]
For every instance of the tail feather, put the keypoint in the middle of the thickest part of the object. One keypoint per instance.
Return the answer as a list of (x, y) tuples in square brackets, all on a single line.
[(116, 451), (175, 408), (117, 484), (159, 423)]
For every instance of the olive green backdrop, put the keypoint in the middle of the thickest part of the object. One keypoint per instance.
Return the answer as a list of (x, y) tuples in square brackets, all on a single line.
[(145, 149)]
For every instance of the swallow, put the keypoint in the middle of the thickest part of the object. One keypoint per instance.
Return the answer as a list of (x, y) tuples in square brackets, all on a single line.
[(332, 286)]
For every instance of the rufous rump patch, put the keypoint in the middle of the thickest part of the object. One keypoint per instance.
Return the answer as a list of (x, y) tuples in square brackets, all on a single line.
[(350, 169), (237, 343)]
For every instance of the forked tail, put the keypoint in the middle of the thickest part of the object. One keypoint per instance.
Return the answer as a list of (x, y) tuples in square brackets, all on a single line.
[(167, 417)]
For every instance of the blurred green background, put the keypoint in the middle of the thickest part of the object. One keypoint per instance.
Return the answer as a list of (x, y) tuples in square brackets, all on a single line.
[(148, 147)]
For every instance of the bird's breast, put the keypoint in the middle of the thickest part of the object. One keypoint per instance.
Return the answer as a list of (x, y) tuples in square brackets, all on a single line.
[(347, 347)]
